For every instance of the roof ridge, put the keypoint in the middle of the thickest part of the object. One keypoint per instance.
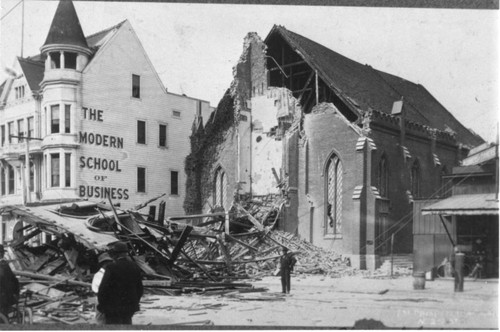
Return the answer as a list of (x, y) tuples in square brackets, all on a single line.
[(106, 30)]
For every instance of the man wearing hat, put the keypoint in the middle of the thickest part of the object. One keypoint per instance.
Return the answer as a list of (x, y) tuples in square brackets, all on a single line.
[(104, 260), (9, 285), (287, 262), (121, 289)]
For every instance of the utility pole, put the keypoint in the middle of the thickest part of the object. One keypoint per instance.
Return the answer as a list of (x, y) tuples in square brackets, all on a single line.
[(22, 29), (26, 178)]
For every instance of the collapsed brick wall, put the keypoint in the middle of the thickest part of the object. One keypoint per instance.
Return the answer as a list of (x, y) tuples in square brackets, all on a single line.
[(199, 164), (211, 145)]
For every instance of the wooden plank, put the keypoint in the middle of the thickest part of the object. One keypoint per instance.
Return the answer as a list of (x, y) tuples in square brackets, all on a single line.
[(254, 221), (180, 244)]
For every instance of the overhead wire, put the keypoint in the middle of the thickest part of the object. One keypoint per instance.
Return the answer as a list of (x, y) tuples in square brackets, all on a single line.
[(10, 10)]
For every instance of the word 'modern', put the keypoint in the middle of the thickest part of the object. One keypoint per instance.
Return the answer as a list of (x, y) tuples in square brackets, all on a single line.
[(100, 164)]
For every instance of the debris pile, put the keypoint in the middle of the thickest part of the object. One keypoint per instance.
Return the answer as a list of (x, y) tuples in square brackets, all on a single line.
[(56, 247)]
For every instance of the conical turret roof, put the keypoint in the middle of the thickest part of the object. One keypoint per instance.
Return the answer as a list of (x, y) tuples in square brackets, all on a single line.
[(65, 28)]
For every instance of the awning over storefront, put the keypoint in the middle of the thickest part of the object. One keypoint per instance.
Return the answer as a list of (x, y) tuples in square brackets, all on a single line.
[(476, 204)]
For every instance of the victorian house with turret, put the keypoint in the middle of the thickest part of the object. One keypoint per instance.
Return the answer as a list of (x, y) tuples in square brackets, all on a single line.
[(89, 118)]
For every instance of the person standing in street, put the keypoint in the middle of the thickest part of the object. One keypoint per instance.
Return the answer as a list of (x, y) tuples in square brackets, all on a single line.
[(121, 288), (287, 262), (9, 285), (104, 260)]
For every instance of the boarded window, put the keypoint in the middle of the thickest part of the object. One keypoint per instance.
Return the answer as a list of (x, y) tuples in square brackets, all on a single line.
[(55, 172), (141, 132), (141, 179), (54, 119), (334, 175), (174, 183), (176, 114), (136, 86), (162, 139)]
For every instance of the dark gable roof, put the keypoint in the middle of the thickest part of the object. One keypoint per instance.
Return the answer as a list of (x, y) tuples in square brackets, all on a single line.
[(33, 71), (374, 89), (65, 27)]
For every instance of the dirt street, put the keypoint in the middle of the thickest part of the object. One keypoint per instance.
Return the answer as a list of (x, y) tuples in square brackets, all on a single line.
[(319, 301)]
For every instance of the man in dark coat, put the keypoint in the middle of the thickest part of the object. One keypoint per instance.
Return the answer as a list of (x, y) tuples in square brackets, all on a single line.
[(121, 288), (9, 285), (287, 262)]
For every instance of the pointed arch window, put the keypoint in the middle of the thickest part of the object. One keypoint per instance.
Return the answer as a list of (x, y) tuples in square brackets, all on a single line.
[(383, 177), (334, 175), (415, 179), (220, 186)]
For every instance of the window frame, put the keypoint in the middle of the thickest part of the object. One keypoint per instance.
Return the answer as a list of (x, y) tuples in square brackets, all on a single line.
[(67, 118), (138, 136), (67, 170), (53, 125), (165, 143), (136, 86), (172, 191), (333, 223), (139, 180), (55, 179)]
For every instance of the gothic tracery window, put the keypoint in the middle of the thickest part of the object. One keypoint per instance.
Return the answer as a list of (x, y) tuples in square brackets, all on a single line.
[(334, 174)]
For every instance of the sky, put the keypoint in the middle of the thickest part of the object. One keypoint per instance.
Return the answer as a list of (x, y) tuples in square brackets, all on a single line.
[(453, 53)]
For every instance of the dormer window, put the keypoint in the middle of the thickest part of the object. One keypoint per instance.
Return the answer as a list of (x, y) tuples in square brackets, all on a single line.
[(19, 92)]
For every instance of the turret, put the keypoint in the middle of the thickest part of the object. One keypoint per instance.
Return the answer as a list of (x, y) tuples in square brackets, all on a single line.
[(65, 46)]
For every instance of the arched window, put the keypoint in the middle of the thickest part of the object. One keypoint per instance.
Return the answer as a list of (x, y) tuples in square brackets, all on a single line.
[(220, 185), (415, 179), (333, 178), (383, 177)]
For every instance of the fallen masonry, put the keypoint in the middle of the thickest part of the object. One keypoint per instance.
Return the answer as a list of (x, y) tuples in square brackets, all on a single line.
[(217, 253)]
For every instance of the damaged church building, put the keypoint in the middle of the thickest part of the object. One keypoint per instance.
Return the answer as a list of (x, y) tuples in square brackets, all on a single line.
[(349, 147)]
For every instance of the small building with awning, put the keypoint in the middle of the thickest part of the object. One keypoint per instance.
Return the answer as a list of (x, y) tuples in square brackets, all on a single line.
[(467, 219)]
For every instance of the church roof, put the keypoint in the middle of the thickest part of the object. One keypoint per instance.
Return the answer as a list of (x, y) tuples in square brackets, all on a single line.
[(65, 27), (373, 89)]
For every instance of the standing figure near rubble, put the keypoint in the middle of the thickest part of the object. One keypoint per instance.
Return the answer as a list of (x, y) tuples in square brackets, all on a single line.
[(9, 285), (104, 260), (287, 262), (121, 288)]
